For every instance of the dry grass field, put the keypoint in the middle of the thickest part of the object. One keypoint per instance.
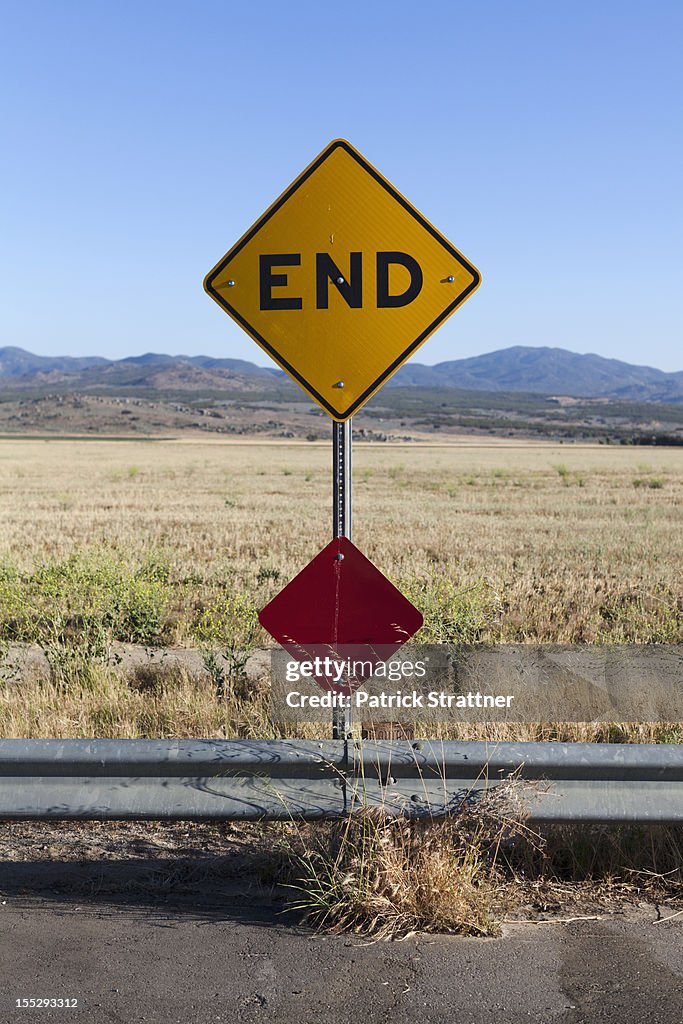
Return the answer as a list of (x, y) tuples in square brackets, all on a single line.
[(181, 542)]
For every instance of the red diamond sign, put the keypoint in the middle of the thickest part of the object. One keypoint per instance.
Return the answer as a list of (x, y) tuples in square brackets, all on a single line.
[(341, 601)]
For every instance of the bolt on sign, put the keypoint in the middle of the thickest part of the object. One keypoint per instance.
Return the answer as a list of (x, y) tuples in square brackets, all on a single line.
[(341, 280)]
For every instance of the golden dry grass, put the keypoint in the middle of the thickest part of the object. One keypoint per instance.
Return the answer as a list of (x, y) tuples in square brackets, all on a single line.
[(555, 541), (91, 699), (182, 542), (389, 877), (99, 701)]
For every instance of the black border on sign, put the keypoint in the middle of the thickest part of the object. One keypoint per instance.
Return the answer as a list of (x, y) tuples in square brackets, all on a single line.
[(220, 267)]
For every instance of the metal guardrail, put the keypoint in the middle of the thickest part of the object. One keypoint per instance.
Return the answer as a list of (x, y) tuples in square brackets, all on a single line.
[(278, 779)]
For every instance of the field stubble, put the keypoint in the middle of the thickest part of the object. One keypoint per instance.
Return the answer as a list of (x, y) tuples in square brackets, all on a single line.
[(180, 543)]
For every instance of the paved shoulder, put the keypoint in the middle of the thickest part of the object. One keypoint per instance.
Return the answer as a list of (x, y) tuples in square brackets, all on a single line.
[(227, 958)]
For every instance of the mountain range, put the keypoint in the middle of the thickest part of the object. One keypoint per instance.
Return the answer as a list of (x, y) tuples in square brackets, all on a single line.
[(543, 371)]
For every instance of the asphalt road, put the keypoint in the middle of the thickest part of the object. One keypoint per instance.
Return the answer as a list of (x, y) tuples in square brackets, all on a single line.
[(226, 956)]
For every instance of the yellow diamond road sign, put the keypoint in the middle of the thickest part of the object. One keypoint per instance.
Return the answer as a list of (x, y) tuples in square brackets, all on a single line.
[(341, 280)]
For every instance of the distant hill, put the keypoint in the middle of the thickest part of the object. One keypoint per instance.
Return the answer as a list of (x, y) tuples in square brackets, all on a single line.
[(16, 362), (543, 371), (205, 362), (548, 371)]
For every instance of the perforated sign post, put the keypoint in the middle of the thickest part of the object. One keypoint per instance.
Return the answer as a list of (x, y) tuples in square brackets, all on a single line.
[(340, 281)]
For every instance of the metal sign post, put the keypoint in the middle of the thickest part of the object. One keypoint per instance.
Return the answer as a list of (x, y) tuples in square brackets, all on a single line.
[(341, 479), (341, 527)]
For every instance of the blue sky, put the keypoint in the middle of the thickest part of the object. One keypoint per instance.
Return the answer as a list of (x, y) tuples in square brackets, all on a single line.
[(141, 139)]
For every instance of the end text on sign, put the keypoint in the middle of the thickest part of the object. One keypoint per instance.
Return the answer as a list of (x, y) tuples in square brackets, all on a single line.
[(349, 286)]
